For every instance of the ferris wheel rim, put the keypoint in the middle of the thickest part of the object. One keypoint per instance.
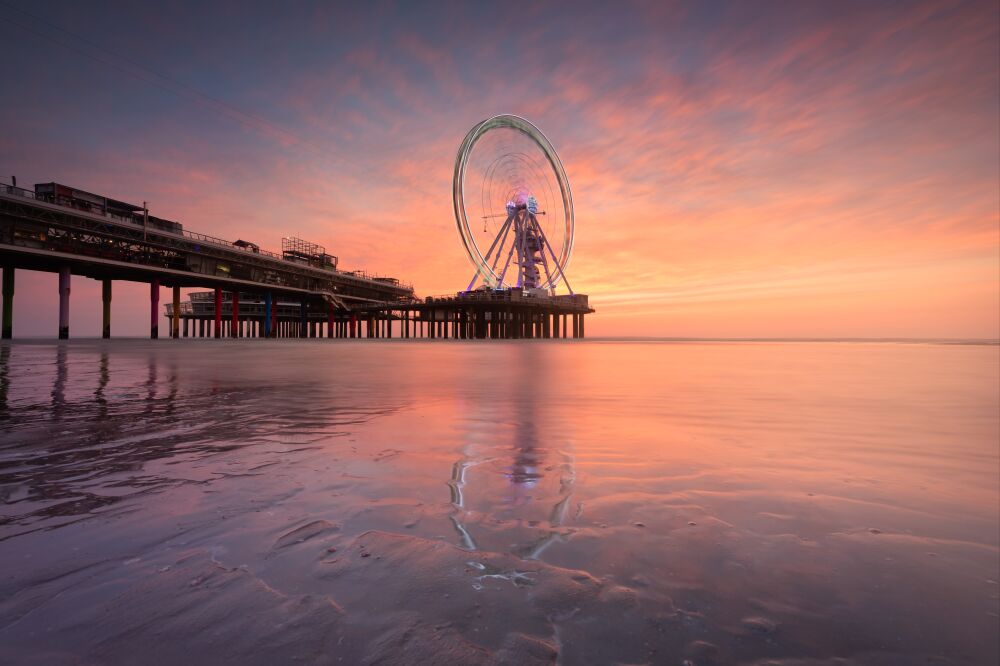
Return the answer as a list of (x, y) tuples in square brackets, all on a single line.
[(530, 130)]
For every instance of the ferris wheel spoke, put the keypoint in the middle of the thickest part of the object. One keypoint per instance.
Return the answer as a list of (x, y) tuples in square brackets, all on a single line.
[(506, 265), (496, 259)]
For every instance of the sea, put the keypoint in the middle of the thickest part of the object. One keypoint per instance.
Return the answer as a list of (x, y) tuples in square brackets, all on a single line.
[(499, 502)]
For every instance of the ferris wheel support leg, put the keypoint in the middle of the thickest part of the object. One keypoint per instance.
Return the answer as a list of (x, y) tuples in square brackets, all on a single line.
[(501, 234), (545, 243)]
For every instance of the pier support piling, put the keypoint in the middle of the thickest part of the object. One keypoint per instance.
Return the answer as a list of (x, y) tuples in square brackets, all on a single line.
[(106, 309), (154, 306), (175, 323), (218, 312), (8, 302), (235, 329), (64, 279), (267, 315)]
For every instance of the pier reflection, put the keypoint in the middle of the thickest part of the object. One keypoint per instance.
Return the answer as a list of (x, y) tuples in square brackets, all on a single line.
[(4, 380), (87, 428), (59, 386), (103, 376)]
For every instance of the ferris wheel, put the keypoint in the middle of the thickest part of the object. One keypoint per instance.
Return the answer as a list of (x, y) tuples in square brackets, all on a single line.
[(513, 206)]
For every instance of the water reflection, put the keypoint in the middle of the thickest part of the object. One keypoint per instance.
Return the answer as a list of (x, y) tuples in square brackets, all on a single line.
[(59, 386), (103, 376), (522, 456), (83, 433), (746, 507), (4, 380)]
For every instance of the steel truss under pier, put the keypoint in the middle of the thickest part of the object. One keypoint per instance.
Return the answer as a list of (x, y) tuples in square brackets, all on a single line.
[(74, 232)]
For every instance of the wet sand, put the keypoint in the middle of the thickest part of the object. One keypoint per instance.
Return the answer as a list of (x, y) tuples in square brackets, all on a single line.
[(265, 502)]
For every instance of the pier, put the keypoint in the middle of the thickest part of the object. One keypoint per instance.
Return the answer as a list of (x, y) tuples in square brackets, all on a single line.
[(250, 292), (68, 231)]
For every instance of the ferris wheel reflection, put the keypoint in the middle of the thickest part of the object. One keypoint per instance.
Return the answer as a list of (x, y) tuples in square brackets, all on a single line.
[(513, 471)]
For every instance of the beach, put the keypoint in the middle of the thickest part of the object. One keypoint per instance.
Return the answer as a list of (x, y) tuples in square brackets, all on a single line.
[(464, 502)]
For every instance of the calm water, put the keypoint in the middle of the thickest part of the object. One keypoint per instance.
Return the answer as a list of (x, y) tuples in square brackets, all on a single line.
[(461, 503)]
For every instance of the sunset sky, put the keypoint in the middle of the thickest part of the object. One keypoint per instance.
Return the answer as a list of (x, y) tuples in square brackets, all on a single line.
[(758, 169)]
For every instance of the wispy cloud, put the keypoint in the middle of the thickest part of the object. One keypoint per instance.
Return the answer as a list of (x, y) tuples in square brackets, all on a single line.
[(726, 159)]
